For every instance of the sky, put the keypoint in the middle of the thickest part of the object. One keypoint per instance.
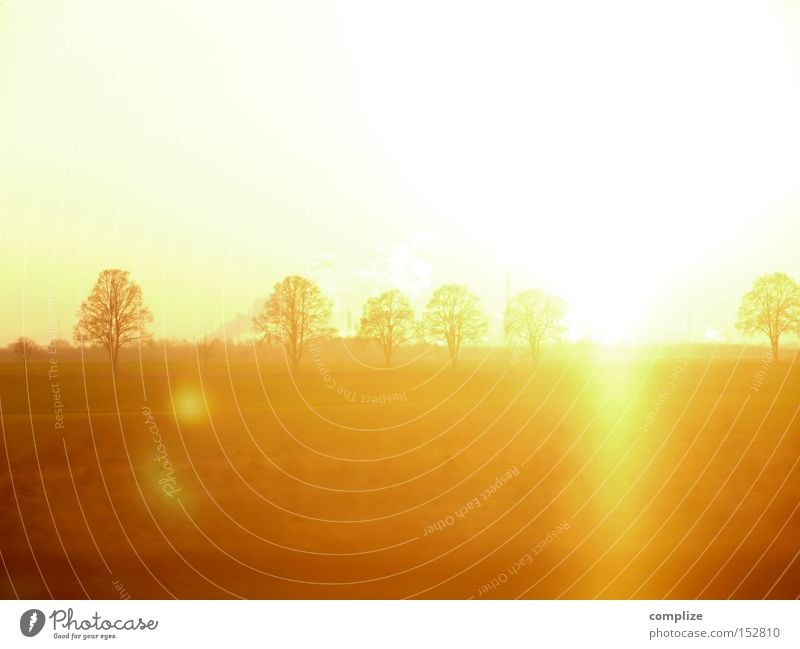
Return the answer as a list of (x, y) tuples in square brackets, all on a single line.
[(642, 160)]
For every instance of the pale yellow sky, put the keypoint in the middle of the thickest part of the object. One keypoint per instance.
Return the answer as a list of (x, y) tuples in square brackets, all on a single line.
[(641, 161)]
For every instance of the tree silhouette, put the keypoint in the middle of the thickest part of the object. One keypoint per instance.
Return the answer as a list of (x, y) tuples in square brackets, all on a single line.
[(114, 314), (532, 317), (454, 315), (389, 321), (771, 307), (25, 348), (294, 314)]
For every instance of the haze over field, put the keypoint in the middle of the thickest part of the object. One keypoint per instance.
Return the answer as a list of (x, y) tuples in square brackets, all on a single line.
[(639, 161), (425, 214)]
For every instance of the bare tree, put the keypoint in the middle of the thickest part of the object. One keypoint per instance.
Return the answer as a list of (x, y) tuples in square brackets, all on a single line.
[(25, 348), (771, 307), (453, 315), (533, 316), (389, 321), (114, 314), (294, 314)]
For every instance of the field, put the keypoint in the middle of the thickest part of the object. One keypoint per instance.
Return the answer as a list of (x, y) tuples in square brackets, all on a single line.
[(649, 473)]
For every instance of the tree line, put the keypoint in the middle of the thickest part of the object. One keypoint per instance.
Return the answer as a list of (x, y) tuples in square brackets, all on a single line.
[(297, 313)]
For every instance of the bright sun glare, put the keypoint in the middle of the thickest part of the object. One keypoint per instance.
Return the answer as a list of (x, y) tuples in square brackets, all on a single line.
[(610, 153), (599, 176)]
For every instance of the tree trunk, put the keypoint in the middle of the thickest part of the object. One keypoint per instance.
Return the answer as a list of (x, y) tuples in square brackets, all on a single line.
[(534, 345), (453, 348), (774, 344), (295, 354)]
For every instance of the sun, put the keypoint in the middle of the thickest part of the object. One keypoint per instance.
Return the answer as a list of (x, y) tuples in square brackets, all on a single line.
[(603, 179)]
